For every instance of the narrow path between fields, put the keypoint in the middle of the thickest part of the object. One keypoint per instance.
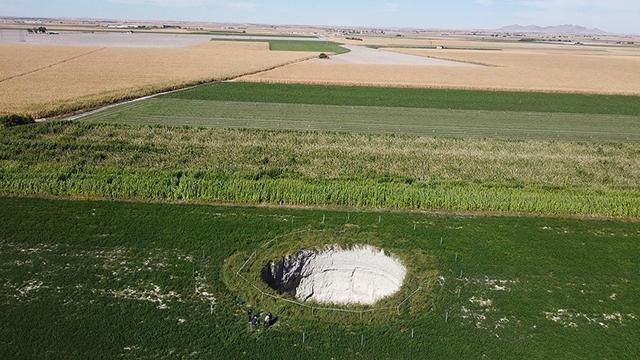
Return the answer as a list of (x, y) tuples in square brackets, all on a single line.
[(83, 113), (368, 56)]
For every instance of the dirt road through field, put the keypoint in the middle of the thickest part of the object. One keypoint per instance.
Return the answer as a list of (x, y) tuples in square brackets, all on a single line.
[(365, 55)]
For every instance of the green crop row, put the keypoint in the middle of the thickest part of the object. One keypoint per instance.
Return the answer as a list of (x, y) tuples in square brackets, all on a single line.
[(417, 98), (215, 187), (325, 169)]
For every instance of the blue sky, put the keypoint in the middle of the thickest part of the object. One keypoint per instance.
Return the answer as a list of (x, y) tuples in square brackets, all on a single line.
[(612, 15)]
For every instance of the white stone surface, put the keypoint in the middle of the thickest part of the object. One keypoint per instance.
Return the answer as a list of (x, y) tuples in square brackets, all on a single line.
[(362, 275)]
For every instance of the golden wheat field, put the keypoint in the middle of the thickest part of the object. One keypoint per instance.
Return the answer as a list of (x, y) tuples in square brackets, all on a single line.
[(553, 68), (44, 80)]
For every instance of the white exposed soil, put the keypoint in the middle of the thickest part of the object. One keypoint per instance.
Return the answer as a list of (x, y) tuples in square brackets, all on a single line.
[(365, 55), (361, 275)]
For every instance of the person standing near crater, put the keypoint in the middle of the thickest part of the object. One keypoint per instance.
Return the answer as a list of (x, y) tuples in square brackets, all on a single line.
[(267, 320)]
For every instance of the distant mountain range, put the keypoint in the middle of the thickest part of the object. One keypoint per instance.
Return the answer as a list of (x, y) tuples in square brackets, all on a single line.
[(560, 29)]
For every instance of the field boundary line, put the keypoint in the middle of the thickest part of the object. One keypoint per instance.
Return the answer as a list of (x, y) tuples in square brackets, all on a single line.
[(52, 65), (331, 208), (478, 63)]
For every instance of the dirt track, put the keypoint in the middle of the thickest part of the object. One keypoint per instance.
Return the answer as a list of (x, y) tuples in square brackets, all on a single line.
[(365, 55)]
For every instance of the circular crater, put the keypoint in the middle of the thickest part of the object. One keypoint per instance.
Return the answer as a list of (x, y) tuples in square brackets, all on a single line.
[(360, 275)]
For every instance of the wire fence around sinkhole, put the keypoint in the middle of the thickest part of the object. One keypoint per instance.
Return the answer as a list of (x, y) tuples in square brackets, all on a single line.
[(313, 307)]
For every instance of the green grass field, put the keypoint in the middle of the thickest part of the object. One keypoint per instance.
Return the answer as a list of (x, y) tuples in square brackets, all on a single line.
[(105, 279), (359, 147), (298, 45), (312, 46), (415, 98), (77, 159), (373, 120)]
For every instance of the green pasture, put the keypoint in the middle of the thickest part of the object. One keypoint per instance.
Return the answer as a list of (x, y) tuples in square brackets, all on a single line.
[(416, 98), (297, 45), (82, 279), (374, 120)]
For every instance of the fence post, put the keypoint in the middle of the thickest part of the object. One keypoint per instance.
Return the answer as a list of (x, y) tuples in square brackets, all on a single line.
[(446, 316), (412, 333), (303, 337), (323, 218), (362, 340)]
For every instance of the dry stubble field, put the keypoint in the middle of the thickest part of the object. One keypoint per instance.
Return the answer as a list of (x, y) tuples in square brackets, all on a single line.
[(49, 80), (513, 66)]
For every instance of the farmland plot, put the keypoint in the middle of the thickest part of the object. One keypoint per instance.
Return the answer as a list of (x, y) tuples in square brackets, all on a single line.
[(527, 70), (135, 280), (323, 169), (59, 79), (373, 120)]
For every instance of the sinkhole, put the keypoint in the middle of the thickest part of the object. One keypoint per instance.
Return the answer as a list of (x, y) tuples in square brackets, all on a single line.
[(360, 275)]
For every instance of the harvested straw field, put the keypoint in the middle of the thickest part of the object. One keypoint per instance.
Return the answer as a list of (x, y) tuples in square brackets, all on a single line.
[(50, 80), (546, 68)]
